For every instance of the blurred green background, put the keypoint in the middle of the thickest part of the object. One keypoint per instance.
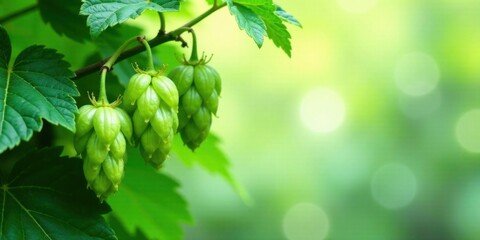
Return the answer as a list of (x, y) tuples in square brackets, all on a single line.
[(370, 131)]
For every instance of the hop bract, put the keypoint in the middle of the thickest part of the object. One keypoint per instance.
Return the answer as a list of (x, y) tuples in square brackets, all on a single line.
[(153, 101), (199, 87), (102, 132)]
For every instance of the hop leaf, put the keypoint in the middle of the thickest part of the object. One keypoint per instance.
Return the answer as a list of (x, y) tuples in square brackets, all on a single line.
[(108, 13), (35, 86), (44, 197)]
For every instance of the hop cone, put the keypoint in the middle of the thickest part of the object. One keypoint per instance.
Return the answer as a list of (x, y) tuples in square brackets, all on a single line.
[(199, 87), (100, 139), (153, 100)]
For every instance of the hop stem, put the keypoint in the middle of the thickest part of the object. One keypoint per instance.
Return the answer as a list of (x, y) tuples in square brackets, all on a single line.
[(161, 17), (151, 66), (118, 52), (102, 96), (194, 55)]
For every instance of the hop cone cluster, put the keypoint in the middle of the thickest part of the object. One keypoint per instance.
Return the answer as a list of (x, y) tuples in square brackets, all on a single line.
[(100, 137), (153, 99), (199, 87)]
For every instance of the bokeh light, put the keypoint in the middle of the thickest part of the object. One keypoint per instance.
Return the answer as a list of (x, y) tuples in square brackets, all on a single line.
[(417, 74), (421, 106), (348, 168), (393, 186), (465, 211), (467, 131), (322, 110), (305, 221)]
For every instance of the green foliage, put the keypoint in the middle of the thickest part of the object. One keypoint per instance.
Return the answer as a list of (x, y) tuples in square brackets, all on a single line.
[(276, 30), (249, 21), (287, 17), (254, 2), (260, 18), (212, 158), (108, 13), (44, 197), (123, 233), (151, 204), (35, 86), (55, 12)]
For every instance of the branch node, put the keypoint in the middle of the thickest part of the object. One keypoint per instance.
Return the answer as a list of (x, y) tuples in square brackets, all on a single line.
[(106, 68), (141, 38), (180, 39)]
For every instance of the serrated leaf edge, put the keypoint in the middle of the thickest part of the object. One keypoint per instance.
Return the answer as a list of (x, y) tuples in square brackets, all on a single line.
[(234, 7)]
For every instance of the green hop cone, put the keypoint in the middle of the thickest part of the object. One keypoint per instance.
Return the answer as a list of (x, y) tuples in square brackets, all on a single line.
[(199, 86), (152, 99), (102, 133)]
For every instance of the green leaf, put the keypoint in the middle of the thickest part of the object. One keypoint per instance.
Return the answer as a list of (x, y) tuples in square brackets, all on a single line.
[(45, 197), (261, 18), (149, 201), (64, 19), (276, 30), (249, 21), (254, 2), (35, 86), (212, 158), (287, 17), (122, 232), (108, 13)]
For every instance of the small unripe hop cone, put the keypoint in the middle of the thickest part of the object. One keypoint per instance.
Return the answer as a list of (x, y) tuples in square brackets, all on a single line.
[(199, 87), (153, 100), (102, 130)]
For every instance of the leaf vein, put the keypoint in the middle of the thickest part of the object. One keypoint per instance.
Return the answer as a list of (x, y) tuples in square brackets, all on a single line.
[(29, 214), (3, 212), (46, 99), (56, 218), (7, 85)]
